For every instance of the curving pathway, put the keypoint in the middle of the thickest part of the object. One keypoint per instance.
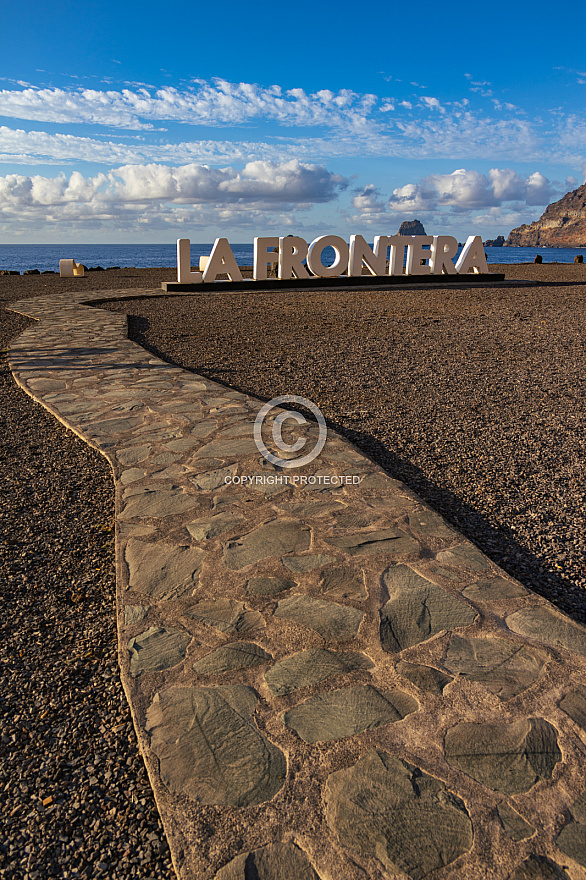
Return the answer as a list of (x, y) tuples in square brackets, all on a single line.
[(327, 681)]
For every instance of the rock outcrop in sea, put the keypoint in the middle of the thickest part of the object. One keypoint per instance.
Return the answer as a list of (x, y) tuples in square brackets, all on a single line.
[(412, 227), (499, 241), (563, 224)]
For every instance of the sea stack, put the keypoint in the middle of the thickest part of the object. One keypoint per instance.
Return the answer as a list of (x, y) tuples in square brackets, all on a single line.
[(563, 224), (412, 227)]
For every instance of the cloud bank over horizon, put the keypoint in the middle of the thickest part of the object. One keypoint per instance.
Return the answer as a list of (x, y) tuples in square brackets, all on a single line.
[(125, 155)]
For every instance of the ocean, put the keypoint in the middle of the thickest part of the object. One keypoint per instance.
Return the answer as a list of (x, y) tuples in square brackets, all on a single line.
[(45, 257)]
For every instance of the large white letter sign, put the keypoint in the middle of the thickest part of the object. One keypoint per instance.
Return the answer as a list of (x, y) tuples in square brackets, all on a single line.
[(444, 247), (316, 249), (292, 252), (375, 260), (426, 255), (418, 254), (222, 262), (263, 257), (398, 243), (184, 273), (472, 257)]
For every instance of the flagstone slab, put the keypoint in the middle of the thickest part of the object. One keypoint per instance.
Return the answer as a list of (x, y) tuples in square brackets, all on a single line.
[(212, 526), (268, 586), (550, 627), (163, 571), (466, 555), (311, 667), (303, 564), (272, 539), (228, 448), (133, 454), (277, 861), (426, 678), (157, 648), (572, 838), (505, 668), (209, 747), (574, 705), (343, 582), (392, 541), (494, 590), (227, 615), (386, 809), (158, 502), (513, 824), (510, 758), (429, 523), (135, 614), (322, 507), (210, 480), (346, 712), (117, 426), (332, 621), (418, 609), (239, 655), (539, 868)]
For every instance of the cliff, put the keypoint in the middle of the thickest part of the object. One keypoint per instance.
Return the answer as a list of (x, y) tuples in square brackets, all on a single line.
[(563, 224)]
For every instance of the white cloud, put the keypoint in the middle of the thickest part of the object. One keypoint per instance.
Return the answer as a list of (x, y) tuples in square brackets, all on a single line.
[(432, 104), (158, 190), (465, 190), (368, 202), (410, 198), (346, 124), (212, 104)]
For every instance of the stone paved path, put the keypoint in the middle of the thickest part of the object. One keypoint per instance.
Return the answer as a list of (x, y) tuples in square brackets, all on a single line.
[(327, 681)]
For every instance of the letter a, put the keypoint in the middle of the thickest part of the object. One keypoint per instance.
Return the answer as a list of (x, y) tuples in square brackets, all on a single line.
[(222, 262), (472, 258)]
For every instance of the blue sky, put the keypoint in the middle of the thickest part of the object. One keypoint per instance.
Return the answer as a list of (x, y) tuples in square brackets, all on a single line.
[(144, 122)]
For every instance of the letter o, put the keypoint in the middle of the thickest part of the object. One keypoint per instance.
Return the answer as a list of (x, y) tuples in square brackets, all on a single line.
[(316, 249)]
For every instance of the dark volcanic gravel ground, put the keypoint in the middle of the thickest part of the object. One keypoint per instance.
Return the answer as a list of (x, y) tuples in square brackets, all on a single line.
[(76, 801), (473, 397)]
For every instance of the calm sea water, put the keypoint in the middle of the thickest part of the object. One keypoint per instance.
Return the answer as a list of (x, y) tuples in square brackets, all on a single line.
[(19, 257)]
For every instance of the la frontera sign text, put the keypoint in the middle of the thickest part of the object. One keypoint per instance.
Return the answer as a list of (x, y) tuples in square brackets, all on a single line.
[(294, 258)]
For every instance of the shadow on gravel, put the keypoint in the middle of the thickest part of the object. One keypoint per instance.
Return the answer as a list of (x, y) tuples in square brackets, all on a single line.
[(499, 544)]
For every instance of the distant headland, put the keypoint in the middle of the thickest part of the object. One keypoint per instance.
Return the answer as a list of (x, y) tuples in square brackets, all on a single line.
[(562, 224)]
